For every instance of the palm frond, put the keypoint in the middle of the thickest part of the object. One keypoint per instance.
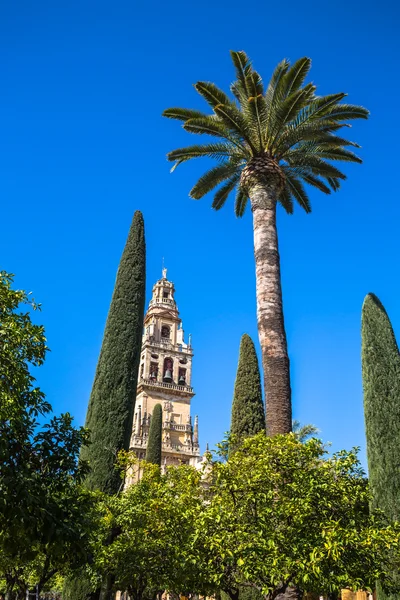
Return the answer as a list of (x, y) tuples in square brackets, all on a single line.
[(211, 179), (325, 141), (211, 125), (344, 112), (324, 151), (256, 113), (316, 108), (274, 91), (219, 151), (183, 114), (317, 165), (294, 78), (240, 202), (338, 153), (254, 84), (222, 194), (286, 199), (236, 122), (211, 93), (287, 111), (320, 131), (322, 139), (297, 190), (242, 66), (316, 182), (334, 183), (307, 175)]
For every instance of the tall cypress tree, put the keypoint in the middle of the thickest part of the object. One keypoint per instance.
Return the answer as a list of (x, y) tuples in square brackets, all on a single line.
[(112, 401), (381, 382), (153, 452), (248, 417)]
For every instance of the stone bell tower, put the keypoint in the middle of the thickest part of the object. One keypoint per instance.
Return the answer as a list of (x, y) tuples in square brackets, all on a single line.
[(165, 378)]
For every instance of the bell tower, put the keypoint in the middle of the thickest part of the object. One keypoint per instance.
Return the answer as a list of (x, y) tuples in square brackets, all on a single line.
[(165, 374)]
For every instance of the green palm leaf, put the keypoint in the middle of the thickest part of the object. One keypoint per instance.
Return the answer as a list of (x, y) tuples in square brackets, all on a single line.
[(243, 68), (297, 190), (316, 182), (211, 93), (288, 110), (256, 113), (317, 166), (324, 151), (212, 178), (345, 112), (286, 199), (212, 126), (219, 151), (334, 183), (275, 90), (222, 194), (321, 131), (240, 202), (236, 122), (316, 109), (294, 78), (308, 176), (183, 114)]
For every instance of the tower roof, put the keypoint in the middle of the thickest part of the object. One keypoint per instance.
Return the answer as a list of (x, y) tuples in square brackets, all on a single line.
[(163, 296)]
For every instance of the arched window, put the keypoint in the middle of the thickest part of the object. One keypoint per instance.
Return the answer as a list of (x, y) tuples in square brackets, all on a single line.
[(182, 377), (168, 370), (153, 371), (165, 332)]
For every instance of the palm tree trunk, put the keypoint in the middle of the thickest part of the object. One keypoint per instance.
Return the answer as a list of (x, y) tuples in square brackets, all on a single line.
[(271, 329)]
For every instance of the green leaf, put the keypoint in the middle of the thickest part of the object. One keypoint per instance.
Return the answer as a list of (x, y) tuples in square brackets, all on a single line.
[(212, 94), (212, 178), (183, 114), (217, 150), (222, 194), (240, 202)]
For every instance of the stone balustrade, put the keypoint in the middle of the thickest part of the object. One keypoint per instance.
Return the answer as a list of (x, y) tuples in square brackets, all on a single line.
[(170, 386)]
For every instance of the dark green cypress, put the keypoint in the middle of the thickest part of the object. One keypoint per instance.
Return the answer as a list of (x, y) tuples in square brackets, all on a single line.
[(381, 382), (112, 401), (153, 452), (248, 417)]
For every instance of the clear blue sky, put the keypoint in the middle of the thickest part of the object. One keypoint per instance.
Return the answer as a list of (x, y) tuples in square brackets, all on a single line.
[(83, 145)]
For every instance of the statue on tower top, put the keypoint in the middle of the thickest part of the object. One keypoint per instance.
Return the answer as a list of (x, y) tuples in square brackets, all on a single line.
[(164, 273)]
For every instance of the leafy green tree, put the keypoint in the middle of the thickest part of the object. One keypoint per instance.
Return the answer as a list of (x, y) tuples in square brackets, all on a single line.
[(248, 416), (381, 381), (281, 514), (111, 406), (45, 513), (155, 518), (269, 143), (58, 511), (79, 588), (153, 452)]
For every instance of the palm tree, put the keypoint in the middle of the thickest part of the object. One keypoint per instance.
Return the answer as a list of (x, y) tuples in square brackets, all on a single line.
[(269, 143), (303, 432)]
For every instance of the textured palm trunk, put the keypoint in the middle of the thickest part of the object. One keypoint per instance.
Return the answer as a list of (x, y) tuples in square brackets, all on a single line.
[(271, 329)]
